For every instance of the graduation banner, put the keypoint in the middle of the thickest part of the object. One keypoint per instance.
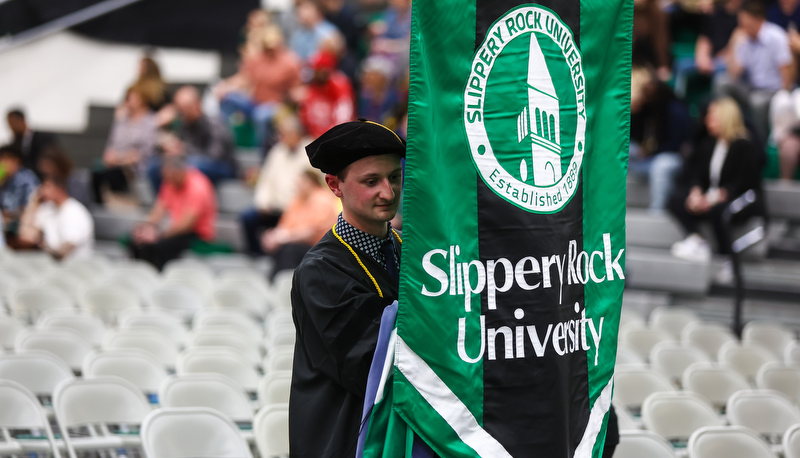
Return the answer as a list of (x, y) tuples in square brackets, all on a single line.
[(514, 232)]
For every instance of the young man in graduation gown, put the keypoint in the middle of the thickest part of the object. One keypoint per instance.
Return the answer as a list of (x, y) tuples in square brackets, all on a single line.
[(341, 287)]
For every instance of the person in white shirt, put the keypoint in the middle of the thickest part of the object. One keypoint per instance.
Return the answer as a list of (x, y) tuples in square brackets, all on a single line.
[(57, 223), (277, 182)]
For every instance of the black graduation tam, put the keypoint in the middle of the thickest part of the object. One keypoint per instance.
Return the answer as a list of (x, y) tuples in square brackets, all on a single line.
[(346, 143)]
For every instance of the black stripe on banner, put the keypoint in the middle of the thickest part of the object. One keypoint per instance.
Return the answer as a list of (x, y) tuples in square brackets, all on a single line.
[(536, 405)]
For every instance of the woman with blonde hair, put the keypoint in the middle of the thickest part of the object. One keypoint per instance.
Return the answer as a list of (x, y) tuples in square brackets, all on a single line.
[(723, 165)]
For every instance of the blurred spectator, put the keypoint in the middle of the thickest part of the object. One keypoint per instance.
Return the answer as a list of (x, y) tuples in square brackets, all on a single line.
[(265, 79), (257, 22), (188, 200), (129, 148), (277, 182), (651, 37), (785, 13), (54, 161), (391, 34), (660, 128), (312, 29), (56, 223), (785, 121), (29, 142), (723, 166), (17, 184), (712, 50), (206, 142), (151, 86), (307, 218), (328, 98), (351, 27), (761, 64), (378, 96)]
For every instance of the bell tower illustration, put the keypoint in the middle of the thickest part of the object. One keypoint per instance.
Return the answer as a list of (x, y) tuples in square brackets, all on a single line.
[(539, 122)]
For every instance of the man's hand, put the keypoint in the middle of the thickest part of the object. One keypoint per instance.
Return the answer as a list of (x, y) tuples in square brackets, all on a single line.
[(272, 239), (697, 203), (145, 233)]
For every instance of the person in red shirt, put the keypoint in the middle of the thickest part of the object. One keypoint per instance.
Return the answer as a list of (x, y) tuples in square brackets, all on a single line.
[(266, 78), (187, 198), (328, 99)]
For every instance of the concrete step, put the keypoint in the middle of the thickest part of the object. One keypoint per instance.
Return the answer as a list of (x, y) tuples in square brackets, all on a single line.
[(783, 199), (83, 149), (638, 193), (649, 230), (654, 269), (111, 225)]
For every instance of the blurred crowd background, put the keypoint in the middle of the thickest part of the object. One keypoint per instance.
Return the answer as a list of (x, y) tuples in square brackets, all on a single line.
[(714, 112)]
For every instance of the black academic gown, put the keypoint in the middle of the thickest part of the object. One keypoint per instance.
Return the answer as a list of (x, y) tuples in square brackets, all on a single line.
[(337, 311)]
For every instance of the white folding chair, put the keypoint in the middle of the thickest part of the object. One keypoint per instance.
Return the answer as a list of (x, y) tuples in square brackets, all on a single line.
[(766, 412), (625, 420), (37, 261), (672, 320), (728, 442), (21, 412), (780, 377), (64, 343), (791, 354), (228, 336), (38, 371), (215, 391), (676, 416), (220, 360), (271, 427), (137, 366), (178, 299), (274, 388), (94, 404), (632, 385), (245, 276), (280, 337), (745, 358), (642, 444), (199, 277), (240, 297), (626, 356), (90, 326), (27, 303), (109, 301), (282, 287), (222, 317), (65, 281), (192, 432), (630, 317), (9, 328), (672, 358), (164, 349), (708, 337), (135, 278), (279, 359), (642, 340), (791, 442), (771, 335), (156, 320), (713, 381)]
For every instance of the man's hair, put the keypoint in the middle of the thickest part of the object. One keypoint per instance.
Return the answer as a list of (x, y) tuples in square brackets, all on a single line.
[(60, 159), (754, 8), (10, 151), (16, 113)]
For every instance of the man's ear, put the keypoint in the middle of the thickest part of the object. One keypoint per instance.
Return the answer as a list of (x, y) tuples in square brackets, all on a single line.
[(333, 183)]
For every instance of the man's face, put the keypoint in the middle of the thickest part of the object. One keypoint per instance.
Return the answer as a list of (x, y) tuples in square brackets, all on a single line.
[(10, 164), (750, 24), (173, 175), (370, 191), (16, 124)]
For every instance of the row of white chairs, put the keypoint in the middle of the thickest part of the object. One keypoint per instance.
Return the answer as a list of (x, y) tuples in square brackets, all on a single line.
[(86, 409), (41, 370), (210, 327), (684, 325), (673, 358), (714, 382), (708, 442)]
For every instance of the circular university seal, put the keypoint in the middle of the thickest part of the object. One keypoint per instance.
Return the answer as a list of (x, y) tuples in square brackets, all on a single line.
[(525, 111)]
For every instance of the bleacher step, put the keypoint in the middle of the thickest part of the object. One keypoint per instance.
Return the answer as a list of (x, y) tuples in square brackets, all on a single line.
[(648, 268)]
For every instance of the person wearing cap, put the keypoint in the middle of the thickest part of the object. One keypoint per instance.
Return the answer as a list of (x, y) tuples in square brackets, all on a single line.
[(328, 99), (341, 287)]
